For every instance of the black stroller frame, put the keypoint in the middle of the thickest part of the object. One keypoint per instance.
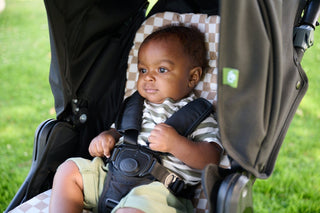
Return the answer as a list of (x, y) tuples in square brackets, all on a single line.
[(90, 41)]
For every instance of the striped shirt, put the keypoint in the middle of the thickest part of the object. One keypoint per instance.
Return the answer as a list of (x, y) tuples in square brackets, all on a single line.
[(207, 131)]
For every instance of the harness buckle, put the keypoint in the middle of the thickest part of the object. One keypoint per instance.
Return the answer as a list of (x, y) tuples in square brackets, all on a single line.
[(133, 160), (110, 204), (170, 179), (174, 183)]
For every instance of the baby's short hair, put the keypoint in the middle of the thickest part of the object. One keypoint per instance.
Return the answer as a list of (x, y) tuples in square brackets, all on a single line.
[(191, 38)]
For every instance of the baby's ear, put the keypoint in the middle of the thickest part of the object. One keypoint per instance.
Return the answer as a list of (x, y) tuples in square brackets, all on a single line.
[(195, 76)]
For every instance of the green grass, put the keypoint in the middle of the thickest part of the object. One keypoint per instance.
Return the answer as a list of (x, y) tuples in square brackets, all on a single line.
[(26, 100), (25, 96), (295, 184)]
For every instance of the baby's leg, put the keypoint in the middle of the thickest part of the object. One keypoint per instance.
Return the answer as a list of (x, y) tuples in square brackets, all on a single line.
[(153, 197), (67, 190)]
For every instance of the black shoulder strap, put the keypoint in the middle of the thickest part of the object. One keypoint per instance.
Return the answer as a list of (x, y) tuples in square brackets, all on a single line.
[(184, 120), (190, 116), (128, 122)]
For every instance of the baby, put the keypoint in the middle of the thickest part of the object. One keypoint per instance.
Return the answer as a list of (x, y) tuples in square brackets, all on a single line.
[(171, 61)]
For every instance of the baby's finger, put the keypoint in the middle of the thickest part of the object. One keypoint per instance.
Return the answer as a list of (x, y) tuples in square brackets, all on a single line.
[(92, 148), (106, 148), (97, 149)]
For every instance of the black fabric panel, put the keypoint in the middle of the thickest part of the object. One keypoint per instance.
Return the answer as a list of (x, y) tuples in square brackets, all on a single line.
[(90, 42), (82, 32), (210, 7)]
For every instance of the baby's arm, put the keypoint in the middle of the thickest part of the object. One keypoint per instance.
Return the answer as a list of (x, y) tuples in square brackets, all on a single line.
[(103, 144), (165, 138)]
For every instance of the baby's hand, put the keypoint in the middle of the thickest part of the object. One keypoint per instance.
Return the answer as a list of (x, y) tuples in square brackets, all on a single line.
[(163, 138), (102, 145)]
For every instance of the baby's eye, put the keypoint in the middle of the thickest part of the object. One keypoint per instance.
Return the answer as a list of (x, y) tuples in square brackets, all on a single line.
[(162, 70), (142, 70)]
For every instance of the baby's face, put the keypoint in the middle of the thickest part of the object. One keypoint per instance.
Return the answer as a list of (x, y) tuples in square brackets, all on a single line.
[(164, 70)]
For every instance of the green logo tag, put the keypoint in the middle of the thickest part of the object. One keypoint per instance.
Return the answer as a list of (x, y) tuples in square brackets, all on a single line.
[(230, 77)]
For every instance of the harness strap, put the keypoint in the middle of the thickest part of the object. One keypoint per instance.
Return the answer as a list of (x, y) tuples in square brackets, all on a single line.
[(131, 164), (171, 181), (184, 121), (130, 115)]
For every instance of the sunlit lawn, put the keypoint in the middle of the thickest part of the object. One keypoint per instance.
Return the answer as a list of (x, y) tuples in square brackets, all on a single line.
[(25, 96)]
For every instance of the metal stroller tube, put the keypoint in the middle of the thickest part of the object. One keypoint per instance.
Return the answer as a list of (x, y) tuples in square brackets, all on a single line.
[(311, 14), (303, 35)]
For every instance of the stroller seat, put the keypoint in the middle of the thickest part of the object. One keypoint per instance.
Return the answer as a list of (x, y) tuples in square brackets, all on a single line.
[(206, 88)]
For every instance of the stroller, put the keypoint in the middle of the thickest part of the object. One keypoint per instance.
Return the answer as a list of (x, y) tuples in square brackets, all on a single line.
[(258, 71)]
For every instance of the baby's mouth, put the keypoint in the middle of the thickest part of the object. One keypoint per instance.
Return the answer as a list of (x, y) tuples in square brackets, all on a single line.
[(150, 90)]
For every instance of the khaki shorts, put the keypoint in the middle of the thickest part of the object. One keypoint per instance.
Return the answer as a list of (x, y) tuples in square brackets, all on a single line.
[(150, 198)]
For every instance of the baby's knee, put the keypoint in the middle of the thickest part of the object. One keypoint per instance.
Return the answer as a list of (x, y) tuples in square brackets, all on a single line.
[(68, 169), (68, 174)]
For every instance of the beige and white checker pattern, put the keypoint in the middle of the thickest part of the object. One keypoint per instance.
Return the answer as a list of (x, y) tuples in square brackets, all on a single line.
[(209, 25), (38, 204), (200, 201)]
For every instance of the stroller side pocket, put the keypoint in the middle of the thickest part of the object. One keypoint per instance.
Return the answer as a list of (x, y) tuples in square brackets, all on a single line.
[(54, 142)]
